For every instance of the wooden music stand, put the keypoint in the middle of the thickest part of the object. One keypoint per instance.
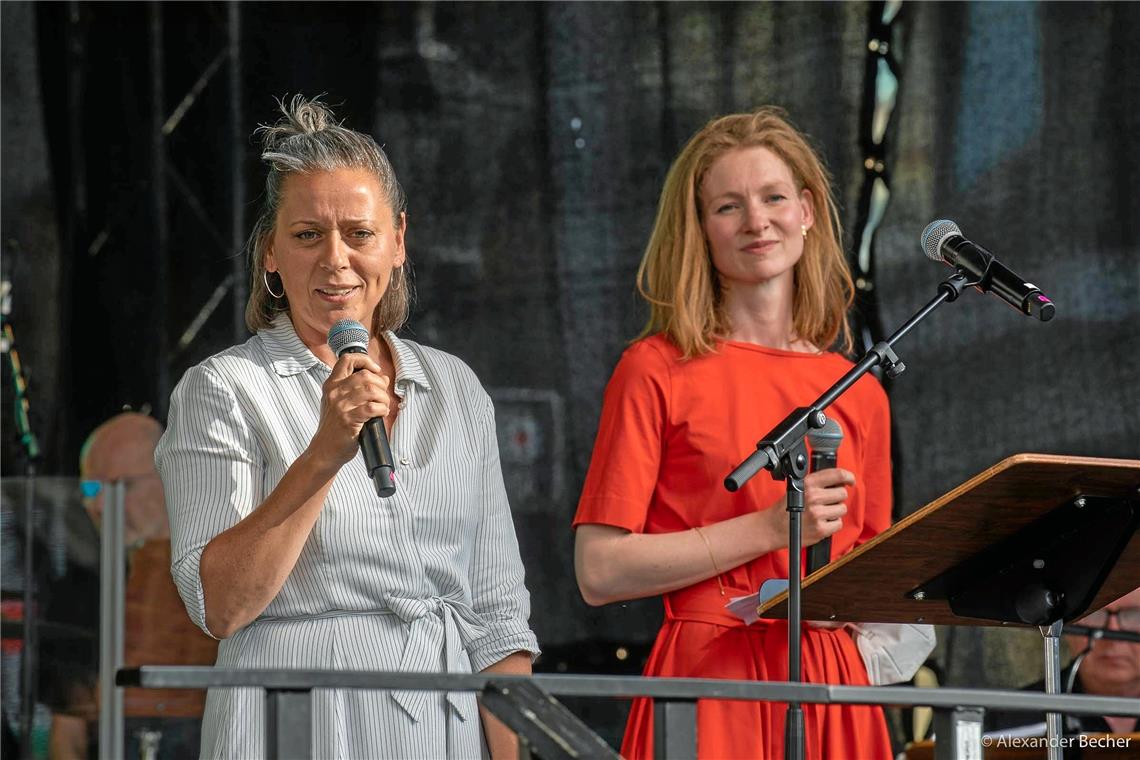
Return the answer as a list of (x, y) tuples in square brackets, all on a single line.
[(1036, 540), (944, 563)]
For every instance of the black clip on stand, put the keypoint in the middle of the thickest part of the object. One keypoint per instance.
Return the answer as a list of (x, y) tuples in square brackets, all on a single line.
[(782, 451)]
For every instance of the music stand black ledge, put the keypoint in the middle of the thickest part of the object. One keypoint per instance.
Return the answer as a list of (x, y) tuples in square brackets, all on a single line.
[(1036, 540)]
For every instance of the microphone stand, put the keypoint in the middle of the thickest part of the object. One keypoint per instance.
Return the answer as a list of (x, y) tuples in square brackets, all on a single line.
[(782, 452)]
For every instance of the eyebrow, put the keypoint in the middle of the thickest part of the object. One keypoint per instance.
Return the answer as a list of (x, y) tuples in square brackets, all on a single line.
[(763, 190), (775, 185), (319, 222)]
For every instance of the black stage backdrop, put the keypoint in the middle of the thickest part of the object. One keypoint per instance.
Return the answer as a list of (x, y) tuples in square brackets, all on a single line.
[(532, 140)]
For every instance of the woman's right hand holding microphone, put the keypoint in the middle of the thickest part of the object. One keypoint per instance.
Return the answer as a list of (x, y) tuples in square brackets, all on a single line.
[(355, 392), (825, 504)]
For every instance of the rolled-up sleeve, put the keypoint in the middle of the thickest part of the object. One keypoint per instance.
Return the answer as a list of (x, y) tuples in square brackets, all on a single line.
[(498, 591), (210, 476)]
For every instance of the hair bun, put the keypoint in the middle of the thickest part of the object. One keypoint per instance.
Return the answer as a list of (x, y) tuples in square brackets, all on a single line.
[(299, 116)]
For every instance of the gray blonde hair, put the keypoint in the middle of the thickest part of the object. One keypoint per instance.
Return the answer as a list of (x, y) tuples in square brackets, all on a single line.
[(308, 138)]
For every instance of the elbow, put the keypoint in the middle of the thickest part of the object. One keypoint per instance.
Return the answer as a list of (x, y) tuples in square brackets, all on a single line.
[(604, 564), (221, 625), (221, 614), (220, 628), (593, 596), (590, 593), (595, 581)]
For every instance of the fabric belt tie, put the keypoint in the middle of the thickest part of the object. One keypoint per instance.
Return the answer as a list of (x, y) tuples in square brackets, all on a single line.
[(704, 604), (435, 623)]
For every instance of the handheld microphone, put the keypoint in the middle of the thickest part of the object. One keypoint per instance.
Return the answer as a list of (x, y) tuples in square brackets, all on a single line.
[(824, 452), (349, 337), (943, 241)]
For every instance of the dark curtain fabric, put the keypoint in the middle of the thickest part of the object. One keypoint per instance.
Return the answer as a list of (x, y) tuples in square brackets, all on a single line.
[(29, 244), (533, 140)]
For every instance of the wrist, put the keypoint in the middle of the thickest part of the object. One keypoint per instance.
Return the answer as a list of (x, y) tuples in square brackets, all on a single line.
[(320, 466), (774, 534)]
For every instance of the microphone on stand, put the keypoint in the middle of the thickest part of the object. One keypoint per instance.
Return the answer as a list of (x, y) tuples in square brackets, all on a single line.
[(349, 337), (943, 241), (824, 451)]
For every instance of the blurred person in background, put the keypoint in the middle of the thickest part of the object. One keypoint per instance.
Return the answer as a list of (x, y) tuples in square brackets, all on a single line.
[(157, 630), (1103, 666)]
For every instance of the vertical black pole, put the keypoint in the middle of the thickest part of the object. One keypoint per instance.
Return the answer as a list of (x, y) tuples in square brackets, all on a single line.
[(794, 717), (238, 286), (158, 213)]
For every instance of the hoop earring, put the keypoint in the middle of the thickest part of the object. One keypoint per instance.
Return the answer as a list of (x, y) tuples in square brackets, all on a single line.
[(265, 279), (397, 282)]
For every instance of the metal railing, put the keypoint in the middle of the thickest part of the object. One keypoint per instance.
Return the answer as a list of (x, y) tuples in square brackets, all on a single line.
[(289, 706)]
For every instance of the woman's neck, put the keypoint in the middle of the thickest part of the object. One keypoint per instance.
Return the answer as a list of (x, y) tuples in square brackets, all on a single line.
[(761, 314), (377, 348)]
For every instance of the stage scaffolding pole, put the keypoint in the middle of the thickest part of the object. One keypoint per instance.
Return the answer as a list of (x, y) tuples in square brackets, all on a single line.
[(158, 194), (239, 286)]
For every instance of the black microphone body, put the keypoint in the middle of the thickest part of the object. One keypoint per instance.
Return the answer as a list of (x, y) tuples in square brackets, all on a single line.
[(824, 454), (943, 241), (373, 436)]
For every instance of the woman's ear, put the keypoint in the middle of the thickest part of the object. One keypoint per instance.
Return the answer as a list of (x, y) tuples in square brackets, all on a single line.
[(808, 208), (269, 260), (401, 229)]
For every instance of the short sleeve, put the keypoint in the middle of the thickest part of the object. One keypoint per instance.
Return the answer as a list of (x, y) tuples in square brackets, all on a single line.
[(210, 475), (626, 460), (876, 465)]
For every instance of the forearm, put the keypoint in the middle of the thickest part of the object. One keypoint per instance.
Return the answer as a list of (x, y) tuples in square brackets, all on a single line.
[(244, 567), (613, 565), (502, 742)]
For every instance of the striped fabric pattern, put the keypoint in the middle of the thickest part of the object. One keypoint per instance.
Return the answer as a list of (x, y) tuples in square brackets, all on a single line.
[(427, 580)]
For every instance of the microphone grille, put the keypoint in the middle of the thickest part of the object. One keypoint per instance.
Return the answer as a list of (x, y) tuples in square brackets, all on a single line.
[(827, 438), (933, 236), (346, 333)]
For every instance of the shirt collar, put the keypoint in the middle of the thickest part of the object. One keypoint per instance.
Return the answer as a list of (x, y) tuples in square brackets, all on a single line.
[(409, 368), (290, 356), (287, 353)]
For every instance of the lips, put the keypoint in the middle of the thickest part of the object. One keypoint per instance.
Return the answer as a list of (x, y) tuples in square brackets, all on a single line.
[(759, 246), (337, 294)]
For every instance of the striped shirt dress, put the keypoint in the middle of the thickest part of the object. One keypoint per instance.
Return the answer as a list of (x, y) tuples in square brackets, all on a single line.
[(427, 580)]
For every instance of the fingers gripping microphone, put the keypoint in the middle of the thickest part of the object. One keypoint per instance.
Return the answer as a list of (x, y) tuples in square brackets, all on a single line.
[(824, 451), (349, 337), (943, 241)]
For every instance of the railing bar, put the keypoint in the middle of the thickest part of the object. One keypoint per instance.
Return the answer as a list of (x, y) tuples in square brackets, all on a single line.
[(629, 686)]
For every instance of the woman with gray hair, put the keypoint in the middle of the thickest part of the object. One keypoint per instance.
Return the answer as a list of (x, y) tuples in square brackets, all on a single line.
[(280, 545)]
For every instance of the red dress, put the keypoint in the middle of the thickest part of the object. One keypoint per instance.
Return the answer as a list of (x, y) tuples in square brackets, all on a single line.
[(671, 430)]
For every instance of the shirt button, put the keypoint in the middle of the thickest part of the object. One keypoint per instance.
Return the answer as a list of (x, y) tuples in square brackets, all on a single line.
[(405, 461)]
